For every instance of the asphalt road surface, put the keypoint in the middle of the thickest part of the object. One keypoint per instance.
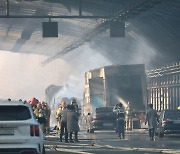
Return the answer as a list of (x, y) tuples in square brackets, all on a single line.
[(107, 142)]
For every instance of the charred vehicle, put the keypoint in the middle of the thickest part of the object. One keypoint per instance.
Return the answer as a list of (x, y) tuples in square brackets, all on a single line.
[(101, 118)]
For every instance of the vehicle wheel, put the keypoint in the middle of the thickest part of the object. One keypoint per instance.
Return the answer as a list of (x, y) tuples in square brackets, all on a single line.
[(44, 151), (161, 134), (91, 131)]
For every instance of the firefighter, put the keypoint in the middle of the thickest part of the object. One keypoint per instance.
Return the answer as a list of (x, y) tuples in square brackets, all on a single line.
[(58, 114), (36, 112), (47, 112), (120, 121), (129, 117), (41, 117)]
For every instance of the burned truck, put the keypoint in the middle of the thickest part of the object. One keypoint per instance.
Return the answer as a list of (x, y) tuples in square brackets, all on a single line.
[(110, 85)]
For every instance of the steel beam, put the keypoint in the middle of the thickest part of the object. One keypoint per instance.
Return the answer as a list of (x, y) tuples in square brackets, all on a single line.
[(51, 16)]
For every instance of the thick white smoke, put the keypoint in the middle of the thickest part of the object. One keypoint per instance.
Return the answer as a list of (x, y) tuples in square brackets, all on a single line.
[(81, 60), (23, 77)]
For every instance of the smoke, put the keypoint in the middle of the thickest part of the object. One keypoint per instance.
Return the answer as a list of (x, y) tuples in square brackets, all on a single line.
[(121, 100), (132, 49), (23, 77), (82, 60), (95, 55)]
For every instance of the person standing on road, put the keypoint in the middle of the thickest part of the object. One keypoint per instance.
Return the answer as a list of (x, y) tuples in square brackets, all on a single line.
[(72, 123), (120, 121), (64, 123), (58, 114), (129, 117), (152, 120)]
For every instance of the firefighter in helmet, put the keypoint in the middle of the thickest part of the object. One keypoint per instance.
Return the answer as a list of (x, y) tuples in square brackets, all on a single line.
[(129, 117), (58, 114)]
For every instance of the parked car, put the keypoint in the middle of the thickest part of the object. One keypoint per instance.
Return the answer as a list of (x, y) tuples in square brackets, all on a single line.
[(169, 122), (101, 118), (20, 132)]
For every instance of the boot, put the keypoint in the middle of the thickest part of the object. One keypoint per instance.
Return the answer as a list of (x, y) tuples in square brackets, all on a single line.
[(76, 137), (70, 138)]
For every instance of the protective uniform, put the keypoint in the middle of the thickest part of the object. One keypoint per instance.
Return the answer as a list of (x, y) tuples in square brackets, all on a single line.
[(58, 114), (129, 117), (47, 113), (58, 117), (42, 119), (120, 122)]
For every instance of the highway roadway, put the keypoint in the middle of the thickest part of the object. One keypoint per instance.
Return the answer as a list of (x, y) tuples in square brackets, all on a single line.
[(107, 142)]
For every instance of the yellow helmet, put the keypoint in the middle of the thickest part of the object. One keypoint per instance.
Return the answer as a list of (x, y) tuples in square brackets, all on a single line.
[(178, 108)]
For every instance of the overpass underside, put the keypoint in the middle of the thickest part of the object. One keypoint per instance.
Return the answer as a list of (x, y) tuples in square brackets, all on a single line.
[(151, 23)]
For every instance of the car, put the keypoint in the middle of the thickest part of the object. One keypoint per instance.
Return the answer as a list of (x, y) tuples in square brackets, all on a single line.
[(101, 118), (20, 132), (169, 122)]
